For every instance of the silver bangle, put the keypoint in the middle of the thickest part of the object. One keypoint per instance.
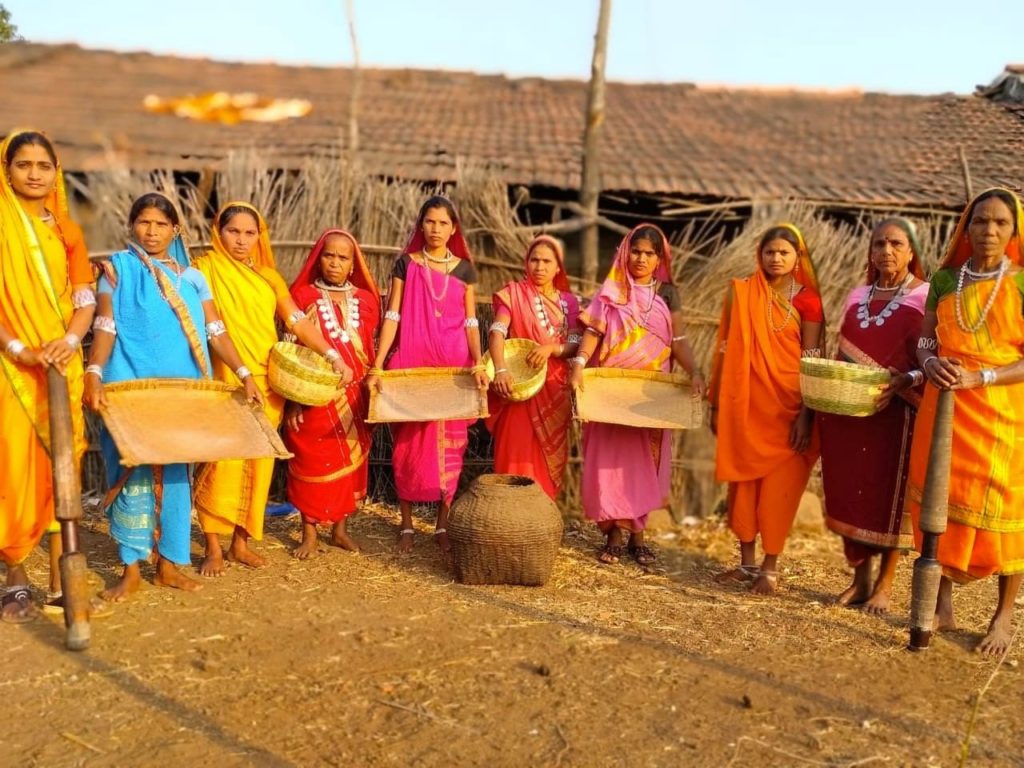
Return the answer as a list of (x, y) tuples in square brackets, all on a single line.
[(242, 372), (94, 369), (499, 327), (927, 342), (392, 315), (105, 324), (579, 360), (501, 370), (72, 340), (916, 377), (680, 337), (988, 377), (472, 322), (14, 348), (83, 298), (812, 352), (927, 360), (293, 318), (215, 328), (332, 354)]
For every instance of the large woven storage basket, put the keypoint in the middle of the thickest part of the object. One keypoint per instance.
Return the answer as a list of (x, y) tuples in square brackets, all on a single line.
[(835, 386), (504, 530), (301, 375), (526, 380), (427, 394), (649, 399)]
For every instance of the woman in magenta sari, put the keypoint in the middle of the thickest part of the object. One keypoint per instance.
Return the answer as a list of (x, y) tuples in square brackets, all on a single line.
[(531, 438), (881, 325), (327, 476), (431, 317), (635, 321)]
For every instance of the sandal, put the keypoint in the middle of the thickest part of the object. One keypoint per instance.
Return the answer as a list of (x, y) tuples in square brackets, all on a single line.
[(741, 574), (23, 598), (611, 554), (643, 554)]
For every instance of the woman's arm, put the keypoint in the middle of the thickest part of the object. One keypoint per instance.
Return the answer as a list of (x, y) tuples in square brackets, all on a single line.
[(103, 337), (496, 346), (473, 337), (591, 338), (683, 354), (222, 346), (942, 372), (810, 346), (308, 333), (59, 351), (388, 331)]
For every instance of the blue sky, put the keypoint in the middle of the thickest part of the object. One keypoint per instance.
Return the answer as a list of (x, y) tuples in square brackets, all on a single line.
[(874, 45)]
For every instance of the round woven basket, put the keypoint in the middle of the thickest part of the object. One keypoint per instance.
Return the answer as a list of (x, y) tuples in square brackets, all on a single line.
[(301, 375), (526, 380), (504, 530), (846, 389)]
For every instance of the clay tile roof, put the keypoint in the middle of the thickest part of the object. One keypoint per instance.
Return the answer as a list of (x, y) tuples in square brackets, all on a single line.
[(673, 138)]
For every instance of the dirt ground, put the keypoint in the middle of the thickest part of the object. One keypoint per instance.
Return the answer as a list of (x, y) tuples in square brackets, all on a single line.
[(382, 660)]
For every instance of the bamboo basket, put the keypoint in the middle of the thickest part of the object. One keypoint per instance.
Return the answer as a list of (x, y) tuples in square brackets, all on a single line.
[(504, 530), (427, 394), (835, 386), (526, 379), (633, 398), (186, 421), (301, 374)]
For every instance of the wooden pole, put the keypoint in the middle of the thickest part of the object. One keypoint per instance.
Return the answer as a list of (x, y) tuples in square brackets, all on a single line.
[(67, 502), (590, 184), (934, 506), (353, 102)]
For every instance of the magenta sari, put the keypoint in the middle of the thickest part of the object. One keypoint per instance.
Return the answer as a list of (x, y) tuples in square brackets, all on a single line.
[(427, 456)]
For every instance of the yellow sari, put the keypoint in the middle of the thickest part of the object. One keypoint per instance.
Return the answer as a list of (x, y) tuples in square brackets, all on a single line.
[(36, 274), (234, 493)]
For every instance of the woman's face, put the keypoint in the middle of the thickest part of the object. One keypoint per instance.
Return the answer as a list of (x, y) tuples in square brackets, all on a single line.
[(153, 230), (32, 172), (542, 265), (778, 258), (990, 228), (437, 228), (891, 253), (239, 235), (336, 259), (642, 261)]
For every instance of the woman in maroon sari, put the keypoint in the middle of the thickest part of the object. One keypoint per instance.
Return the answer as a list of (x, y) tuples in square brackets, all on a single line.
[(328, 475), (881, 325), (431, 316), (531, 438)]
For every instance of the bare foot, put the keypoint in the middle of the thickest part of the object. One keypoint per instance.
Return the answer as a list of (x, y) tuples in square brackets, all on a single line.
[(169, 576), (341, 539), (310, 545), (765, 583), (997, 641), (878, 603), (240, 553), (741, 574), (129, 584), (441, 539), (405, 538), (854, 595), (17, 605), (944, 620), (213, 563)]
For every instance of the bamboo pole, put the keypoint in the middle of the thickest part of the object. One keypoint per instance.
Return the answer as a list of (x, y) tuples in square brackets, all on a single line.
[(590, 185), (353, 102), (67, 502), (934, 506)]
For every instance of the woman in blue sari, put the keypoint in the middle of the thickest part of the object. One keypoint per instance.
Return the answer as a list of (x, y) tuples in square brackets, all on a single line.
[(155, 319)]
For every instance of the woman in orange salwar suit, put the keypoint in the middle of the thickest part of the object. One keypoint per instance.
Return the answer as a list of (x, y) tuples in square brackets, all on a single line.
[(972, 342), (767, 444), (531, 438), (46, 306)]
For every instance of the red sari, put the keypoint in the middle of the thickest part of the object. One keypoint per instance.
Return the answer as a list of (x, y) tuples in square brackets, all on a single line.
[(531, 438), (328, 475)]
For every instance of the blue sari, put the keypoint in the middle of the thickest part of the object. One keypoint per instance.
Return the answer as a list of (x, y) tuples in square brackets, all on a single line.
[(157, 337)]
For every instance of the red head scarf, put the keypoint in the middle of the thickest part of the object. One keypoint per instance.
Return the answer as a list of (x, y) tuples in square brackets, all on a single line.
[(960, 246), (456, 244), (915, 246), (360, 276), (561, 279)]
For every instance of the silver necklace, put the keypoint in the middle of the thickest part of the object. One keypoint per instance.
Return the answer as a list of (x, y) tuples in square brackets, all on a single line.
[(349, 319), (438, 299), (645, 313), (789, 309), (864, 308), (325, 286), (545, 321), (448, 256), (958, 301)]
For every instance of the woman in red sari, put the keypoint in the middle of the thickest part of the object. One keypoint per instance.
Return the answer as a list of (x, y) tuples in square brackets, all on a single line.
[(531, 438), (328, 475), (881, 325)]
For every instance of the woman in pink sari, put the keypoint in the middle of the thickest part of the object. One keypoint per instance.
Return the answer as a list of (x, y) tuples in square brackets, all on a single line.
[(635, 321), (531, 438), (431, 317)]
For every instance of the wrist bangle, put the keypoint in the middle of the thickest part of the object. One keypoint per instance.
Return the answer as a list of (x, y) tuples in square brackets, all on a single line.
[(579, 360), (14, 348), (988, 377), (375, 371), (94, 369), (72, 340), (927, 360), (916, 377), (242, 372), (680, 337), (332, 354), (501, 370)]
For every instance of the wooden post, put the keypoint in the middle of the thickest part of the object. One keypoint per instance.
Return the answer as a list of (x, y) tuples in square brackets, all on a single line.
[(67, 502), (353, 101), (590, 184), (934, 506)]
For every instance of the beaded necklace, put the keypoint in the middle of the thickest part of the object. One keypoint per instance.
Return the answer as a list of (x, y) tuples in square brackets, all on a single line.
[(864, 311), (959, 301), (789, 309)]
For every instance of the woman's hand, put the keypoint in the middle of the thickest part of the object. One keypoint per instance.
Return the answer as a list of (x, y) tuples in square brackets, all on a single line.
[(943, 372), (58, 353), (293, 416), (540, 354), (576, 377), (969, 380), (503, 383), (346, 373), (94, 396), (252, 393), (800, 431), (900, 382), (480, 377), (373, 383), (699, 388)]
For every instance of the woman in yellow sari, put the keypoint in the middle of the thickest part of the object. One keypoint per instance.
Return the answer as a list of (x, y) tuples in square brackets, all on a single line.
[(46, 306), (972, 342), (249, 293)]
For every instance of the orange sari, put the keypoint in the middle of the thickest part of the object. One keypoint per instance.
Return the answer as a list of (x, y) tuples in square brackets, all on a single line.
[(38, 267), (755, 385)]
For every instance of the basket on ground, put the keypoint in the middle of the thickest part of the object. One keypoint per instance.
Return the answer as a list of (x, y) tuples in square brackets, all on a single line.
[(649, 399), (526, 380), (301, 374), (427, 394), (835, 386), (504, 530)]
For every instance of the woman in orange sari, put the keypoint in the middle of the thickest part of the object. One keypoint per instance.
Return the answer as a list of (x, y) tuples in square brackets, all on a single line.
[(531, 438), (46, 306), (249, 293), (327, 476), (972, 342), (767, 444)]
